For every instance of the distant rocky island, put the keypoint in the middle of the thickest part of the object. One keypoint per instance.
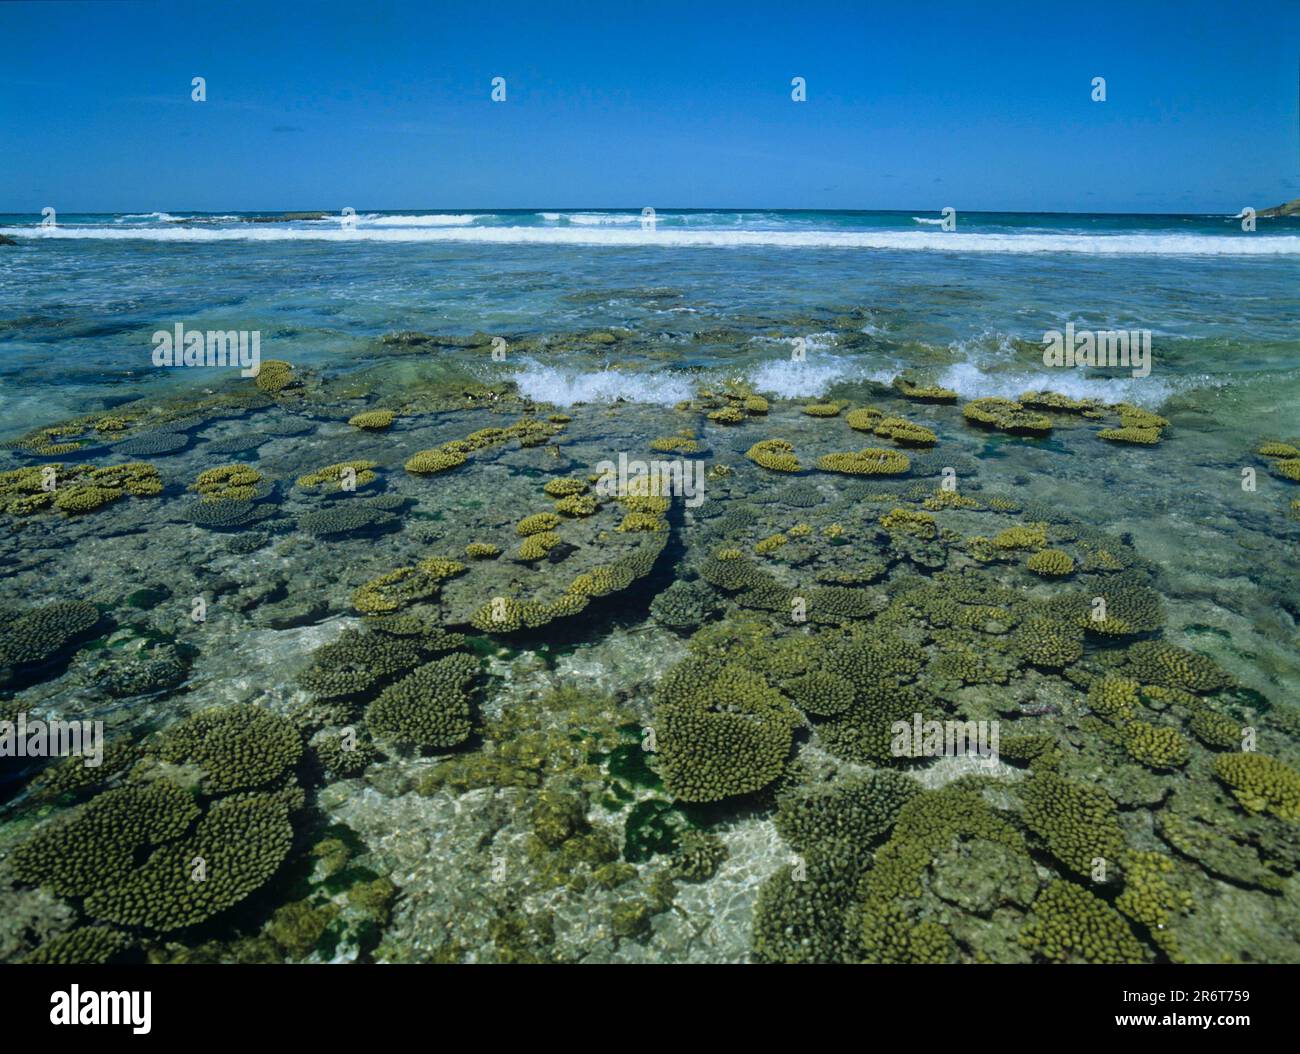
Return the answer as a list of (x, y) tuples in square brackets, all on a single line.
[(1291, 208), (285, 217)]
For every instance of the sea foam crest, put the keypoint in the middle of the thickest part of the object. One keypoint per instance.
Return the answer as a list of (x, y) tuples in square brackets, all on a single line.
[(551, 384), (632, 235)]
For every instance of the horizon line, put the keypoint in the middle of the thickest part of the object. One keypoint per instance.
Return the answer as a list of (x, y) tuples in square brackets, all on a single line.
[(433, 210)]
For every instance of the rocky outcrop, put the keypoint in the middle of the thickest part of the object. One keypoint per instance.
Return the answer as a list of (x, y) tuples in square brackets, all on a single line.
[(1291, 208)]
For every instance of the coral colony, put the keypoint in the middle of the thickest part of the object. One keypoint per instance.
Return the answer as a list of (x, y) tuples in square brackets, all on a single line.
[(838, 621)]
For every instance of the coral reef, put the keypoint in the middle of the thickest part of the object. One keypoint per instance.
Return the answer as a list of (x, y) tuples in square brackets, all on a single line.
[(373, 420)]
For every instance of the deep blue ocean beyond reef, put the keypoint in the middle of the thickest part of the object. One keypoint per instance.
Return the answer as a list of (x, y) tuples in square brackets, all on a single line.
[(379, 606)]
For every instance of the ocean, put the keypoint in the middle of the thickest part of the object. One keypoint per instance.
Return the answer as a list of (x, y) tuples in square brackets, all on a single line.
[(600, 723)]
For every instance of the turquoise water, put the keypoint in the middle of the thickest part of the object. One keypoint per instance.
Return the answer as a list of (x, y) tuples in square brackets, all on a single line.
[(1220, 303), (526, 822)]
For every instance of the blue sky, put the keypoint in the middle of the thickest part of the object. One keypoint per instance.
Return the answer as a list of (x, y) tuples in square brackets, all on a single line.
[(387, 105)]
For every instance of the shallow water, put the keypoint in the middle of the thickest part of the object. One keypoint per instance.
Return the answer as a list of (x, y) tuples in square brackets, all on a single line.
[(537, 827)]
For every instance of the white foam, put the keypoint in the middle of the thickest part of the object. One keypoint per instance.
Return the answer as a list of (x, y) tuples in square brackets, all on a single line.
[(971, 382), (790, 379), (601, 219), (551, 384), (1101, 245), (928, 221), (379, 220)]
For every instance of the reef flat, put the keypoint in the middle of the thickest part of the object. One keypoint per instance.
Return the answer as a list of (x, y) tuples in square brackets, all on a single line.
[(390, 671)]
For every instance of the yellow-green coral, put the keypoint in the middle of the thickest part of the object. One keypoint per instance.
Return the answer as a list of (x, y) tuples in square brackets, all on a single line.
[(1006, 416), (909, 522), (274, 376), (1215, 729), (482, 550), (1275, 449), (1114, 698), (904, 432), (1051, 563), (1290, 468), (728, 415), (675, 445), (863, 419), (79, 498), (873, 461), (234, 482), (949, 499), (1131, 416), (930, 393), (74, 489), (373, 420), (427, 462), (1261, 783), (439, 567), (1023, 536), (1077, 822), (1131, 434), (770, 545), (1151, 898), (537, 523), (721, 731), (774, 454), (577, 505), (535, 546), (1070, 924), (642, 521), (393, 590), (333, 477), (564, 488), (1048, 400), (822, 409), (1156, 746)]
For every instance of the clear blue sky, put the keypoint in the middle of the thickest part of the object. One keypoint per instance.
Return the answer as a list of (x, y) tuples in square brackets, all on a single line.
[(381, 104)]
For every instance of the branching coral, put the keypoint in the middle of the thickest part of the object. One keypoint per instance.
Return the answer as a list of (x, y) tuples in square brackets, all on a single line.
[(776, 455), (873, 461), (1006, 416), (1078, 823), (274, 376), (428, 462), (430, 707), (1155, 662), (344, 474), (234, 850), (231, 482), (39, 635), (1051, 563), (1071, 924), (236, 748), (537, 523), (1156, 746), (1261, 783), (721, 731), (373, 420)]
